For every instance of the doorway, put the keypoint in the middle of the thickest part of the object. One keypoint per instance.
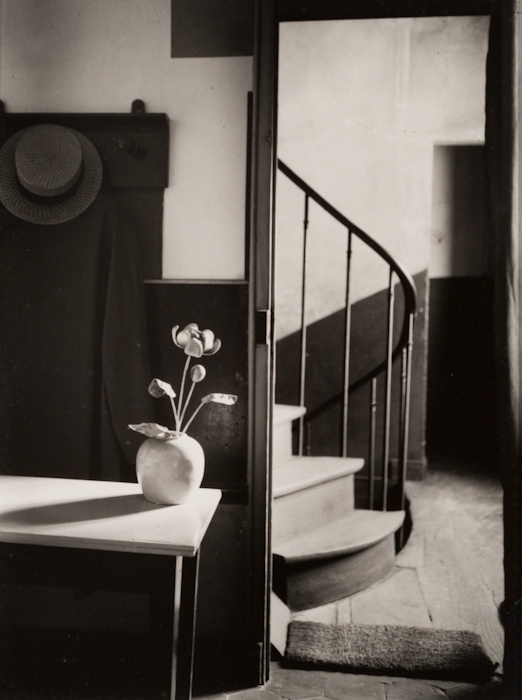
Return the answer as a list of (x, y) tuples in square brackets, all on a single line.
[(369, 197)]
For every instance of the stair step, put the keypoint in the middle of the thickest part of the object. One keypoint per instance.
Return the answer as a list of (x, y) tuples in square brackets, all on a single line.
[(300, 473), (284, 413), (310, 492), (283, 417), (358, 530), (311, 584), (280, 617)]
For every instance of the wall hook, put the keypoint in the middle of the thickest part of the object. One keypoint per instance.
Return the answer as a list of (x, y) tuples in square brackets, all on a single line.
[(138, 107)]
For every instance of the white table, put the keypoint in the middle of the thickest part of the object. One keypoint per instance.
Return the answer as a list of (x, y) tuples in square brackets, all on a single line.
[(113, 516)]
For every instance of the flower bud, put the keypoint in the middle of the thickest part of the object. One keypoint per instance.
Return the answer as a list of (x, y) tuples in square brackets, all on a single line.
[(197, 373)]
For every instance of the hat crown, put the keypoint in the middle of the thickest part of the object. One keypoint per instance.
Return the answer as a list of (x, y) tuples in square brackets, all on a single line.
[(48, 160)]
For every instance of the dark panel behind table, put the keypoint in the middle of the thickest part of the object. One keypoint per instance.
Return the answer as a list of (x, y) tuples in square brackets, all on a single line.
[(221, 430)]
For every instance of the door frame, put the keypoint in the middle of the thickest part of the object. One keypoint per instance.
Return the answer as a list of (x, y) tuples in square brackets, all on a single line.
[(268, 15), (260, 264)]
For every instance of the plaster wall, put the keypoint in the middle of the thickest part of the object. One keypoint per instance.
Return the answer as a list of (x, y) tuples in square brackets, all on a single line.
[(99, 56), (362, 104)]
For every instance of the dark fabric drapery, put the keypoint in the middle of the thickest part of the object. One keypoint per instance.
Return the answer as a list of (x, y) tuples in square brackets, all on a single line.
[(500, 106), (73, 351)]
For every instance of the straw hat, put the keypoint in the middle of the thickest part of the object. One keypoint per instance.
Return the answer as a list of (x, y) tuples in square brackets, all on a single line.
[(49, 174)]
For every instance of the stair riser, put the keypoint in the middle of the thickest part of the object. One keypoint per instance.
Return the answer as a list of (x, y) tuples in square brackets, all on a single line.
[(312, 507), (317, 583), (281, 443)]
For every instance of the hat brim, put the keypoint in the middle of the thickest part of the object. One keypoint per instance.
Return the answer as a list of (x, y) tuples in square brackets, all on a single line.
[(13, 198)]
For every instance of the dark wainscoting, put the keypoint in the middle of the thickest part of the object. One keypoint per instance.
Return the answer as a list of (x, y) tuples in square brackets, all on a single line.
[(224, 651), (461, 373)]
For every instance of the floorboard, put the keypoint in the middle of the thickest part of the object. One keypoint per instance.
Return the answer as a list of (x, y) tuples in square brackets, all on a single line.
[(398, 600)]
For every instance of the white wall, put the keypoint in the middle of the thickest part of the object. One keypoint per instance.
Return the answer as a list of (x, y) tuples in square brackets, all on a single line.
[(361, 105), (100, 55)]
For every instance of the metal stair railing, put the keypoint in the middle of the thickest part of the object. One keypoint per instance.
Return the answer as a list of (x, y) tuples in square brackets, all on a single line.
[(401, 351)]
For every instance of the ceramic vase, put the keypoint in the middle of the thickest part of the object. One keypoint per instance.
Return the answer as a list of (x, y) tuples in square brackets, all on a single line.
[(170, 471)]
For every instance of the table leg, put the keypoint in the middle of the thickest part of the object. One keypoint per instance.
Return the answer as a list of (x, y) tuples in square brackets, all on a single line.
[(185, 599)]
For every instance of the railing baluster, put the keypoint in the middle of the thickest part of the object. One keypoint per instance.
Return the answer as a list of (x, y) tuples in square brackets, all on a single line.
[(347, 327), (387, 397), (302, 373), (405, 420), (371, 456), (308, 448), (402, 405)]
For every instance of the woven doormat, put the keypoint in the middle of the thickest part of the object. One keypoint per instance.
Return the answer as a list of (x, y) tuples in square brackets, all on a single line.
[(410, 652)]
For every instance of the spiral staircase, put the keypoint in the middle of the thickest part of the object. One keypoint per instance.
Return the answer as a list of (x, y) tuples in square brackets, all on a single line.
[(325, 544)]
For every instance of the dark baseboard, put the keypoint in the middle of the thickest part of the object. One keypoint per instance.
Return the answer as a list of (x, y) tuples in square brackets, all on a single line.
[(416, 469)]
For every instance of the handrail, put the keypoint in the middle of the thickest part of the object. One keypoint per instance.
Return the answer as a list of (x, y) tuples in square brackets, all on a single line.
[(408, 285)]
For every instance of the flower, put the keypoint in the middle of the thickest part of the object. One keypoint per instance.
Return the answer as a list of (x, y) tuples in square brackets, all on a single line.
[(194, 343)]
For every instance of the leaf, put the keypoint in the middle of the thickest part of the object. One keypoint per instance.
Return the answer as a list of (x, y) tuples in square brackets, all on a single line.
[(227, 399), (153, 430), (159, 388)]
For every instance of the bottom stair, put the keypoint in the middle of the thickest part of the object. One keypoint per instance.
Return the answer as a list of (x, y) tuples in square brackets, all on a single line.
[(335, 560)]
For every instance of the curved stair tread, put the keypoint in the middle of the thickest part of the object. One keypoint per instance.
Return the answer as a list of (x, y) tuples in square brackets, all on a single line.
[(299, 473), (285, 413), (352, 533)]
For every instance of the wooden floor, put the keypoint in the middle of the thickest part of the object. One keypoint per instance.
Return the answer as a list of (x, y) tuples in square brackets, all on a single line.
[(449, 575)]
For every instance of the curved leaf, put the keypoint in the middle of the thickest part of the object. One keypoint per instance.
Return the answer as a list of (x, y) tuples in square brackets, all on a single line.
[(153, 430), (227, 399), (159, 388)]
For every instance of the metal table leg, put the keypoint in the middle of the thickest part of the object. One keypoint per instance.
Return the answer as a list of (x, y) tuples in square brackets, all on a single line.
[(185, 599)]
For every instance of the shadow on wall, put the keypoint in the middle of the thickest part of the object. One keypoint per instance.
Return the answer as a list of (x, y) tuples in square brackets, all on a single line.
[(325, 350)]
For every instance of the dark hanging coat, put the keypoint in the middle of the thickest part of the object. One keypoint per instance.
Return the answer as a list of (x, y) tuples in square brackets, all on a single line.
[(73, 352)]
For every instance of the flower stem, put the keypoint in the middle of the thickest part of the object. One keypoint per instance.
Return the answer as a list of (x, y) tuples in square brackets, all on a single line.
[(177, 420), (187, 401), (180, 400), (193, 416)]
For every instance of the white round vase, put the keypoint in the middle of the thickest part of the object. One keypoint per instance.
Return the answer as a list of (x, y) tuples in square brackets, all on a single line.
[(170, 471)]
